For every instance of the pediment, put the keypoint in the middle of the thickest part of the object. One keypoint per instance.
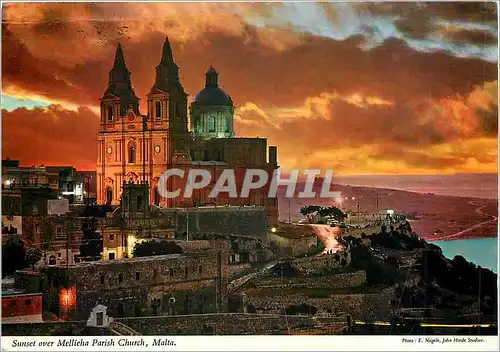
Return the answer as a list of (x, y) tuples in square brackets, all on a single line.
[(131, 117), (156, 90), (99, 308)]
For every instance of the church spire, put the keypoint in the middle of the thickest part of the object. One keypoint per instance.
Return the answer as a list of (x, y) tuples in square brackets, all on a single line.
[(119, 72), (120, 84), (166, 56), (119, 59), (167, 72)]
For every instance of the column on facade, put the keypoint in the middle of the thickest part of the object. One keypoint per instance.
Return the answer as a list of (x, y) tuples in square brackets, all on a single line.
[(140, 150), (116, 184)]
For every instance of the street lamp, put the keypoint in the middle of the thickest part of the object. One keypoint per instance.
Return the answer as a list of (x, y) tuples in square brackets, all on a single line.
[(273, 230), (7, 183)]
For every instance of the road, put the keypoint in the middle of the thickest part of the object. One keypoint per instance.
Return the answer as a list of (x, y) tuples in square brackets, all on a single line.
[(240, 281), (478, 210), (387, 323), (328, 236)]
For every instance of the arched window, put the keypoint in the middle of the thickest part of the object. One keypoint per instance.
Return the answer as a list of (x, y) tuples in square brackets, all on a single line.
[(211, 124), (110, 113), (197, 127), (178, 110), (131, 154), (217, 155), (109, 195), (158, 110), (52, 260), (156, 196)]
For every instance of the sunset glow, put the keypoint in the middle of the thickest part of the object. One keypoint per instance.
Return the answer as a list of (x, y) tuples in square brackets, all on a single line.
[(361, 88)]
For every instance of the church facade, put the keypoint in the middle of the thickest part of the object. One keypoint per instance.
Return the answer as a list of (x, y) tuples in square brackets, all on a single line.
[(139, 148)]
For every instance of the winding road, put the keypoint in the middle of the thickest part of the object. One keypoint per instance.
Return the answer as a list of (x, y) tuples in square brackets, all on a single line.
[(329, 237), (478, 211)]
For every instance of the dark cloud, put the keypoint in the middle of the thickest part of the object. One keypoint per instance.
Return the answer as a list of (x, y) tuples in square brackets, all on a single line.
[(488, 120), (250, 70), (421, 20), (416, 159), (478, 11), (468, 36), (418, 28), (452, 11), (51, 135)]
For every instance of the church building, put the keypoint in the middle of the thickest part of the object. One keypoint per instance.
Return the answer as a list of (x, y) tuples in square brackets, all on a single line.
[(139, 148)]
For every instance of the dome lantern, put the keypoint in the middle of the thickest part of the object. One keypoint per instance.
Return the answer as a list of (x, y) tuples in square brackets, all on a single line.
[(212, 78)]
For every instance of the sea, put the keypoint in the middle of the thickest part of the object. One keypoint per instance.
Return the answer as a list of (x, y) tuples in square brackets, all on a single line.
[(459, 185), (481, 251)]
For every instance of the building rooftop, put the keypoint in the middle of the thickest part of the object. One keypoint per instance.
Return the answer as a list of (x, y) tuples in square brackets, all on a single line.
[(213, 96), (221, 207), (6, 293), (199, 162), (134, 260)]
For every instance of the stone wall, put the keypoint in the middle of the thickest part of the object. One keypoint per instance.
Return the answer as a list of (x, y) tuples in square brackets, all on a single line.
[(28, 281), (248, 250), (41, 329), (36, 230), (202, 324), (194, 246), (319, 265), (239, 221), (241, 250), (237, 269), (293, 247), (171, 284), (345, 280), (360, 306), (220, 324)]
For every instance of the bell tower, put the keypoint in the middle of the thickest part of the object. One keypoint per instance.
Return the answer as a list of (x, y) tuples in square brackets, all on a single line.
[(120, 152), (167, 104), (119, 94), (139, 148)]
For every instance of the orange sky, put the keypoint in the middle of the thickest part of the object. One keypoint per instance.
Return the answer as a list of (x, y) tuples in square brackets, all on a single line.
[(360, 88)]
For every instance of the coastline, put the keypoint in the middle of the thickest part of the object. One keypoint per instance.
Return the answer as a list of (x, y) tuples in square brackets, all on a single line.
[(432, 217), (474, 237), (480, 251)]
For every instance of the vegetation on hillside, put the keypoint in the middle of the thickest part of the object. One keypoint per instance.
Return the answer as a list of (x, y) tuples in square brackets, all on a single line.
[(444, 283), (319, 214), (16, 257)]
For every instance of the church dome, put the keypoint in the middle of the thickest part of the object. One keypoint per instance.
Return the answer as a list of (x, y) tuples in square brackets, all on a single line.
[(212, 94)]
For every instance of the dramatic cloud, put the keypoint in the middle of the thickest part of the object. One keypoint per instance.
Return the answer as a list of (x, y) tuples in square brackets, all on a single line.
[(364, 88), (458, 27), (50, 136)]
